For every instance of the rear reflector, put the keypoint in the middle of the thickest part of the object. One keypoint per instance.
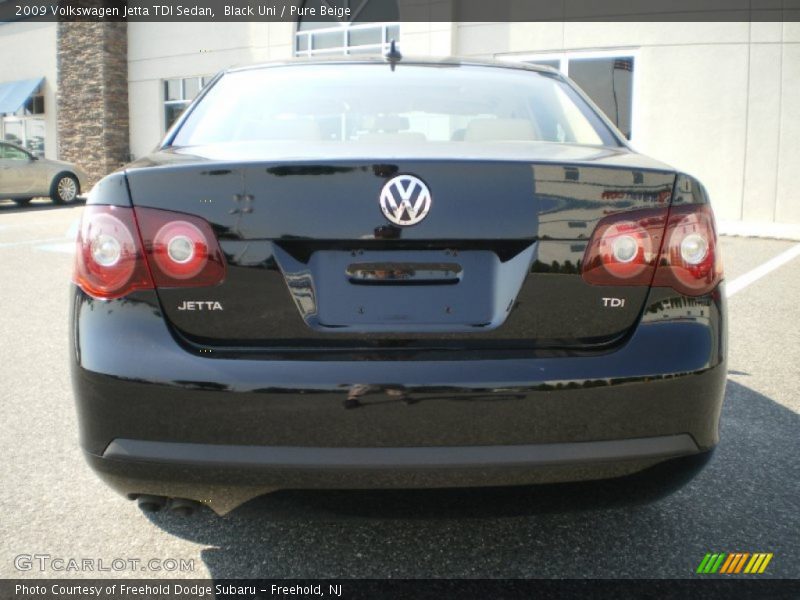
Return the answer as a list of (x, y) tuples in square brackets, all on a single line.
[(173, 250)]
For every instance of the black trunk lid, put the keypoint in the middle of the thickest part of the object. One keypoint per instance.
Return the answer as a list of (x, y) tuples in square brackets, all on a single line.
[(313, 262)]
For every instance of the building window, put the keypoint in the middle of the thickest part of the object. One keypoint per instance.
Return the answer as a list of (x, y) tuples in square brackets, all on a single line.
[(178, 94), (370, 27), (26, 127), (33, 105), (607, 78)]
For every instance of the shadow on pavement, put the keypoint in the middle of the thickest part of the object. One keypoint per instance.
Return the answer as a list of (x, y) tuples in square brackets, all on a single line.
[(746, 499)]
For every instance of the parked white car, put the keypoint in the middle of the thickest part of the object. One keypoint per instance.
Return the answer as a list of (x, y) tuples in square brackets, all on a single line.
[(24, 176)]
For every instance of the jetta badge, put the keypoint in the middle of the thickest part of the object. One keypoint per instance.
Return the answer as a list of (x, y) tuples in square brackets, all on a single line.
[(405, 200)]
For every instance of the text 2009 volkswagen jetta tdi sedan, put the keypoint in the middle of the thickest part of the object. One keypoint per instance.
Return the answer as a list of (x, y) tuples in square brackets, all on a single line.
[(361, 274)]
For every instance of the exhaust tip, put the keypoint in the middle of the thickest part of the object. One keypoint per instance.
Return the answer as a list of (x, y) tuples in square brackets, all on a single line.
[(150, 504), (183, 506)]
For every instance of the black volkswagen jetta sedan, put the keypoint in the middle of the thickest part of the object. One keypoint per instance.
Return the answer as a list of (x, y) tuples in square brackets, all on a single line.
[(393, 273)]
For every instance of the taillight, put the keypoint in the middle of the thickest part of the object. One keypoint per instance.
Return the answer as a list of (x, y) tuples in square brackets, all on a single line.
[(690, 261), (173, 250), (624, 248), (109, 259), (182, 250), (627, 249)]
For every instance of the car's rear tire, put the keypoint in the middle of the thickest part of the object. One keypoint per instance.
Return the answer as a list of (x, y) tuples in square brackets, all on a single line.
[(22, 201), (65, 188)]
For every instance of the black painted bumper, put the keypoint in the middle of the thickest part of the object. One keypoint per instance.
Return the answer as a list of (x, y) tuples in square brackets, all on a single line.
[(158, 417)]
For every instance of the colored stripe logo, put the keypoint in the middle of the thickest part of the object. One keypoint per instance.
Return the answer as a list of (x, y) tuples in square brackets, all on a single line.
[(734, 563)]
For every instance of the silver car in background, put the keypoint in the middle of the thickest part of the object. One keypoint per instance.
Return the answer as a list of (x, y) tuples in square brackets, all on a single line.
[(24, 176)]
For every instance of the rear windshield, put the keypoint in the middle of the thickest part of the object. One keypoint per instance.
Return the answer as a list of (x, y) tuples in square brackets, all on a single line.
[(366, 103)]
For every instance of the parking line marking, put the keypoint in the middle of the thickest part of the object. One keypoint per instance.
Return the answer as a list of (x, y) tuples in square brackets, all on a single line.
[(750, 277), (26, 242), (65, 247), (72, 232)]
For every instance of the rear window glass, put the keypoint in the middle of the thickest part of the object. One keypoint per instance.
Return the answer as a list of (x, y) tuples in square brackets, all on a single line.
[(365, 103)]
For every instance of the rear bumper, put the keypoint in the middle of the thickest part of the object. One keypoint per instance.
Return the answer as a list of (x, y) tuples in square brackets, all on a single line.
[(442, 457), (157, 418), (225, 476)]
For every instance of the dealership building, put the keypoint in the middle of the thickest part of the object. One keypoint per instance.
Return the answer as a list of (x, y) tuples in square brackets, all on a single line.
[(719, 100)]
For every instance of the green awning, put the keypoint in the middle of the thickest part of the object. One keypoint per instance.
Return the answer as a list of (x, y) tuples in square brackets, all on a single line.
[(13, 94)]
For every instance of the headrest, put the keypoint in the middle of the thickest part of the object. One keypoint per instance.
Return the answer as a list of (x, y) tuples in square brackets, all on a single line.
[(400, 136), (281, 129), (495, 130)]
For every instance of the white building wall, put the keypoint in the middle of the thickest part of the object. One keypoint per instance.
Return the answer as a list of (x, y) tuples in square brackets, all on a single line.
[(694, 121), (419, 38), (763, 124), (159, 51), (718, 100), (787, 208), (27, 51)]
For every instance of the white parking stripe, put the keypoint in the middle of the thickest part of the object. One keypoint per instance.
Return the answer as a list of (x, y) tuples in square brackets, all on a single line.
[(65, 247), (26, 242), (72, 232), (742, 282)]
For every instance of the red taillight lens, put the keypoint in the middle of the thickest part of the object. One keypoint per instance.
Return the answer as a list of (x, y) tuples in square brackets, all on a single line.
[(174, 250), (690, 260), (624, 248), (108, 258), (182, 250), (627, 249)]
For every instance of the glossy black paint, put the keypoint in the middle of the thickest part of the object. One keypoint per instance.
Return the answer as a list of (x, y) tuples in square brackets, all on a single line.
[(668, 378), (306, 353), (279, 226)]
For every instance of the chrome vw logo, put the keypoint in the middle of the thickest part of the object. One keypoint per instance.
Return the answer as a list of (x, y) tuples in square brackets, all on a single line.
[(405, 200)]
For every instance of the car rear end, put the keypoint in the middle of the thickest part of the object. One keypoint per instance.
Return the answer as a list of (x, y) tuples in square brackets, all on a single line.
[(262, 304)]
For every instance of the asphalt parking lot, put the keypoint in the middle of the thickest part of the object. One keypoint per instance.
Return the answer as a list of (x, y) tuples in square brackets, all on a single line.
[(747, 499)]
